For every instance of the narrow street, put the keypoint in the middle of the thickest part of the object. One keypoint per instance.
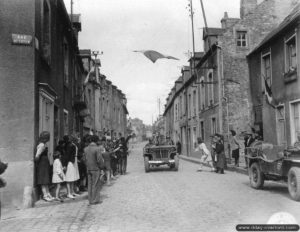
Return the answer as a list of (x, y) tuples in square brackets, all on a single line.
[(162, 200)]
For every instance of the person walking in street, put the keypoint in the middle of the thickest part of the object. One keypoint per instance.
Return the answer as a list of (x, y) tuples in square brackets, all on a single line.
[(218, 147), (58, 176), (205, 156), (235, 148), (107, 160), (94, 163), (43, 166), (178, 147)]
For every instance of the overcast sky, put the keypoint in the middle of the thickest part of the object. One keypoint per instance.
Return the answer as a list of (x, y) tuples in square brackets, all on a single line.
[(117, 27)]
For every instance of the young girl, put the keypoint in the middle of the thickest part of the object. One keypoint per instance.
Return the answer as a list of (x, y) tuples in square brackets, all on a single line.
[(205, 157), (58, 174)]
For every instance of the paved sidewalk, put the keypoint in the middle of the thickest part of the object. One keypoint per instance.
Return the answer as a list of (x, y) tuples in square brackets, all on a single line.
[(242, 169)]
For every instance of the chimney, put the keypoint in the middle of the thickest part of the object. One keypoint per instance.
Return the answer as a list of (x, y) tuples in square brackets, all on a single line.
[(224, 20), (247, 6)]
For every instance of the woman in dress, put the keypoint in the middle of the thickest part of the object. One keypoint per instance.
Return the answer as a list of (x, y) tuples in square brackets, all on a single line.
[(70, 152), (218, 147), (43, 165), (58, 176)]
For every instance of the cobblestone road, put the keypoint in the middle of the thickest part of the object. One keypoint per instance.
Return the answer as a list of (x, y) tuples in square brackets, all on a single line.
[(162, 200)]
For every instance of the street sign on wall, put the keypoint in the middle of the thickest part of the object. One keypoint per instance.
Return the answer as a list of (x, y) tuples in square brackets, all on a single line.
[(20, 39)]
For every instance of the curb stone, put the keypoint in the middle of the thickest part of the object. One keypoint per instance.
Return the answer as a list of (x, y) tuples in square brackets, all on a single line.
[(229, 167)]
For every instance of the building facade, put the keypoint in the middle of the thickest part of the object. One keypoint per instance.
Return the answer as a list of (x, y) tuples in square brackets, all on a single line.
[(274, 80), (215, 93), (43, 88)]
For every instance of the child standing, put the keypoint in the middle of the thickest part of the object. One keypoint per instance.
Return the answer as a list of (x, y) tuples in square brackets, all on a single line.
[(58, 174)]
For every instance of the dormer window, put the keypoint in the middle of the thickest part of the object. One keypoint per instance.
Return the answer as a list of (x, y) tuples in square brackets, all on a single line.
[(241, 38)]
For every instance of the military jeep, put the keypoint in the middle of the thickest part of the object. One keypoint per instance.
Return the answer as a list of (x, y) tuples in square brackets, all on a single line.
[(156, 155), (275, 163)]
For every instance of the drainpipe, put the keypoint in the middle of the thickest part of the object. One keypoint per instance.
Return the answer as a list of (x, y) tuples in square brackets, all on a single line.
[(221, 98)]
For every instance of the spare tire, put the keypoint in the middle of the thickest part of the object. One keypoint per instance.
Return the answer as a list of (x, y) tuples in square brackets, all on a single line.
[(294, 183)]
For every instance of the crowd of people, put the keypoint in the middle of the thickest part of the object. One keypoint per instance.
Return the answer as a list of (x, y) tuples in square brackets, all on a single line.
[(79, 164), (217, 159)]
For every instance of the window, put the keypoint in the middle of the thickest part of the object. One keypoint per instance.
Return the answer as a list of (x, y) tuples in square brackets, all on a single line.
[(291, 54), (194, 102), (66, 62), (202, 130), (280, 125), (99, 118), (295, 120), (176, 113), (213, 125), (46, 36), (194, 137), (241, 38), (180, 106), (90, 97), (190, 106), (66, 122), (266, 68), (210, 89), (202, 94)]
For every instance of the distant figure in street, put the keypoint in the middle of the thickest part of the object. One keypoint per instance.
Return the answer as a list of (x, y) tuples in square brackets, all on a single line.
[(43, 165), (58, 176), (107, 160), (235, 148), (205, 155), (178, 147), (218, 147), (94, 164)]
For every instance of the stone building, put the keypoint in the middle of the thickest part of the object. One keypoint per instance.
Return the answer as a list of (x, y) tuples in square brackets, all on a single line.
[(43, 87), (39, 74), (215, 96), (274, 64)]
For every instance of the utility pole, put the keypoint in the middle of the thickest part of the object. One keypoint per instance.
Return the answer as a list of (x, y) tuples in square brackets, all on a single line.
[(192, 19), (205, 22), (72, 13), (158, 107)]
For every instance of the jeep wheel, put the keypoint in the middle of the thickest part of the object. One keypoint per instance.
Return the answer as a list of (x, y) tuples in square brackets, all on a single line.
[(294, 183), (147, 165), (256, 176), (176, 165)]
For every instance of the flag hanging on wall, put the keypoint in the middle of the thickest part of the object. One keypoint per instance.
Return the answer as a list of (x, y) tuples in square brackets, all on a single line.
[(154, 55), (269, 95)]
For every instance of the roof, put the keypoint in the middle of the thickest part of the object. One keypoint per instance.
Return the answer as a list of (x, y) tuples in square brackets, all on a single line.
[(212, 31), (179, 80), (85, 52), (196, 56), (291, 18), (125, 108)]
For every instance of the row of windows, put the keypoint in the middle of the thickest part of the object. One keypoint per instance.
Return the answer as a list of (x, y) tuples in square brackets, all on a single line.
[(189, 102), (290, 60)]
